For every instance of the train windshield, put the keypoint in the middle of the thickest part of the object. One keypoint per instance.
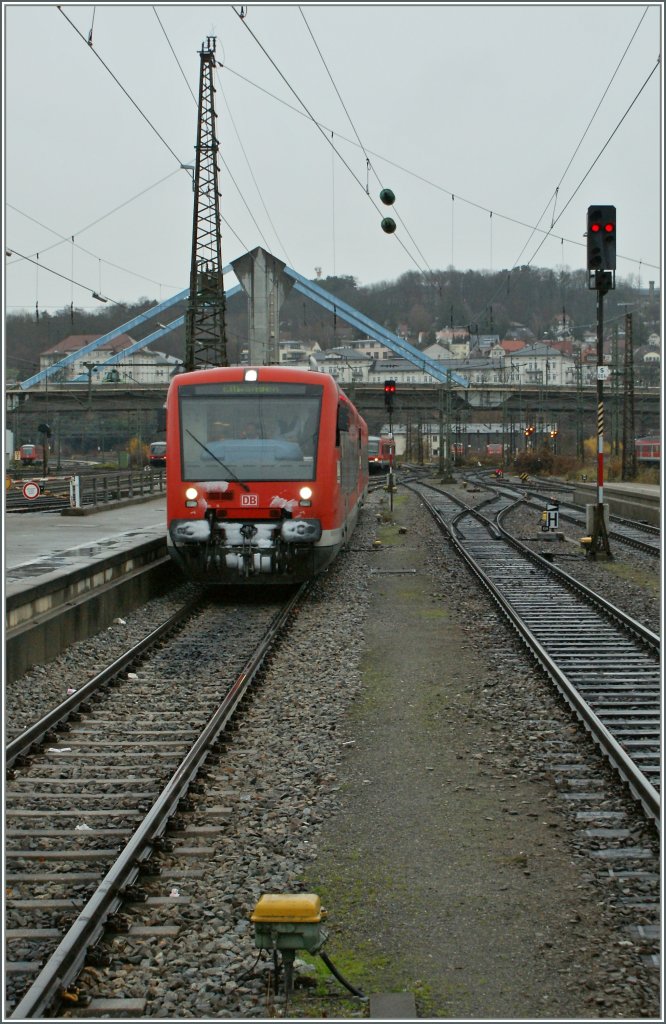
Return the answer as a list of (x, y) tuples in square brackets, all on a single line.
[(373, 446), (249, 430)]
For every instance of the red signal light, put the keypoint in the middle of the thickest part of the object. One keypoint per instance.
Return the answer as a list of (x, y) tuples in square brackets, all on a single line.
[(601, 237)]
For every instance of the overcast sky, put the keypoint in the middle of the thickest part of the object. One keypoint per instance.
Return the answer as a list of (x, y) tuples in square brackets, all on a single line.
[(490, 122)]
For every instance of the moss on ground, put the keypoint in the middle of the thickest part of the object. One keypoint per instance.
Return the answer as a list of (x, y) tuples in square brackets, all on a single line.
[(634, 574)]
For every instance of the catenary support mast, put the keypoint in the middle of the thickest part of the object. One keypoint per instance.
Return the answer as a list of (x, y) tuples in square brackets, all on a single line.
[(628, 425), (205, 337)]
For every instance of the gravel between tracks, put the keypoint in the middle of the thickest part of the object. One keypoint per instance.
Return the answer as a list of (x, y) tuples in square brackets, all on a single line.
[(452, 867), (411, 792)]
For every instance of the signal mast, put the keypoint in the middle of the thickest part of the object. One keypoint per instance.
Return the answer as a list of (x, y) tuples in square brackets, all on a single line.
[(601, 260)]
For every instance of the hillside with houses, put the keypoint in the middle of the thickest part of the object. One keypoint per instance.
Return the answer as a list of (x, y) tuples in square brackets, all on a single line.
[(540, 329)]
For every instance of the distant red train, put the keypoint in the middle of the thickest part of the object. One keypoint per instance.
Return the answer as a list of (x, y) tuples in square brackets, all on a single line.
[(381, 454), (648, 450), (29, 454), (157, 454), (267, 469)]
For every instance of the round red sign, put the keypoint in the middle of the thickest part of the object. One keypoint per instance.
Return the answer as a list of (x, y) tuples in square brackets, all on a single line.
[(31, 490)]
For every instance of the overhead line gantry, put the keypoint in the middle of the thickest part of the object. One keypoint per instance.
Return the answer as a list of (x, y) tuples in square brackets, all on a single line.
[(205, 337)]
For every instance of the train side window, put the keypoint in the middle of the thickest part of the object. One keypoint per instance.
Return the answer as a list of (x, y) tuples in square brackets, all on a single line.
[(342, 422)]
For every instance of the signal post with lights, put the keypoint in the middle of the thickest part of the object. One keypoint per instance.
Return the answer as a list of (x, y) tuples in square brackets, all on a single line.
[(389, 395), (601, 258)]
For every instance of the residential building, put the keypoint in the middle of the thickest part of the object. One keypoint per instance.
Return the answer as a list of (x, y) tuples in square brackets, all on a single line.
[(143, 366), (347, 365), (296, 351)]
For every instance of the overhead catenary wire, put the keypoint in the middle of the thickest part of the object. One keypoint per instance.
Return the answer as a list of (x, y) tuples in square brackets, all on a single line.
[(333, 204), (415, 174), (252, 175), (239, 190), (86, 287), (121, 86), (553, 219), (596, 109), (368, 162), (319, 127), (64, 240), (181, 166), (554, 197), (174, 55), (550, 233), (599, 154)]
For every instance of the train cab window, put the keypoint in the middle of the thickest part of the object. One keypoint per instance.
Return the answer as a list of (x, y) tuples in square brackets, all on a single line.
[(250, 430)]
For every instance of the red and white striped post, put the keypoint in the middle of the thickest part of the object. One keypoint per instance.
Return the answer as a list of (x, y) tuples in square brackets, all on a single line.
[(599, 532)]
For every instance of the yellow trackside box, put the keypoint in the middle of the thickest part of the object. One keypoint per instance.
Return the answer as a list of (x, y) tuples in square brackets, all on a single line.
[(289, 921)]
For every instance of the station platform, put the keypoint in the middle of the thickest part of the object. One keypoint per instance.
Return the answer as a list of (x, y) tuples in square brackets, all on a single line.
[(66, 577), (38, 544), (641, 502)]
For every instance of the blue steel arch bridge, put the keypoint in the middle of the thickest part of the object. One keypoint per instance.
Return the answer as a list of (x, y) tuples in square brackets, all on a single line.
[(265, 280)]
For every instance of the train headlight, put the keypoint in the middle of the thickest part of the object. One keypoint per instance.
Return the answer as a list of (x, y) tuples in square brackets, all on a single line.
[(191, 495), (305, 496)]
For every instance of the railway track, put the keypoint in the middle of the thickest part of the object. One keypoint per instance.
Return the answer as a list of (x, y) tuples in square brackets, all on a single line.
[(95, 789), (641, 536), (157, 934), (605, 664), (44, 502)]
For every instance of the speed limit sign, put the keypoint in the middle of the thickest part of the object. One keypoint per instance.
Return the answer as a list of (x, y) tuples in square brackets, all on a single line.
[(31, 490)]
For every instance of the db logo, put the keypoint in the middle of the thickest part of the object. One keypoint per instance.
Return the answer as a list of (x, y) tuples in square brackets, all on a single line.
[(249, 499)]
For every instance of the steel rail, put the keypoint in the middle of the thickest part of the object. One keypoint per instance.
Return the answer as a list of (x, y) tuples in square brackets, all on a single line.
[(625, 620), (65, 964), (639, 785), (22, 744)]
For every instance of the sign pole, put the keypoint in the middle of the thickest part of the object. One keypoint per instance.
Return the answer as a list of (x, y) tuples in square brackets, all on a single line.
[(601, 260), (599, 532), (391, 484)]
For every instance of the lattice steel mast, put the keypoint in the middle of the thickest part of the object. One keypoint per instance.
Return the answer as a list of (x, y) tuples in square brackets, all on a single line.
[(628, 425), (205, 336)]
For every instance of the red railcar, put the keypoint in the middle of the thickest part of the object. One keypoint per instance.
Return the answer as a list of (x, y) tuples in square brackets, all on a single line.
[(267, 468), (381, 454), (29, 454), (157, 454), (648, 450)]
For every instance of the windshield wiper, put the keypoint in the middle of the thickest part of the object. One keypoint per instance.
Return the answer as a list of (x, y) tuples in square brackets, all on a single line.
[(225, 468)]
